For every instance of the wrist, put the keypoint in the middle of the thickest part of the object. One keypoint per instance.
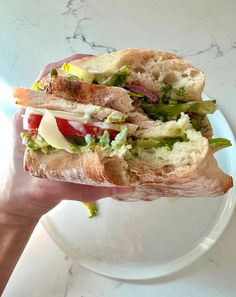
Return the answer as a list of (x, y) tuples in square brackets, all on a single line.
[(10, 218)]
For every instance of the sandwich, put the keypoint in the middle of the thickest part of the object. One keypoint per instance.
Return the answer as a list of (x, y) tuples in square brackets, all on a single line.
[(133, 117)]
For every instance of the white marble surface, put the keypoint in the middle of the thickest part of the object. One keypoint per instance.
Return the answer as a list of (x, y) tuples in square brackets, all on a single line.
[(33, 33)]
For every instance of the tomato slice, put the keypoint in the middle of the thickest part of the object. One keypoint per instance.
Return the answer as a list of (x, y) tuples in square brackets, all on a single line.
[(68, 128), (32, 121)]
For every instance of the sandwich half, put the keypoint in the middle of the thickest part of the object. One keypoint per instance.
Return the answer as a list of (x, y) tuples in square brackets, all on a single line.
[(129, 118)]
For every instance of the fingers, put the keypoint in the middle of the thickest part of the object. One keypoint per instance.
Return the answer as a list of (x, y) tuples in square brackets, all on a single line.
[(18, 121), (17, 146), (58, 64), (89, 193), (86, 193)]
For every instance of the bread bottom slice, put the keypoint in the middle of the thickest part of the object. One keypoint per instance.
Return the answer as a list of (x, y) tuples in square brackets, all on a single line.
[(89, 167), (202, 179)]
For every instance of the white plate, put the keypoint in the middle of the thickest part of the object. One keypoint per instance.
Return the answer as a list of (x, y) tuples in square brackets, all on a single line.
[(146, 239)]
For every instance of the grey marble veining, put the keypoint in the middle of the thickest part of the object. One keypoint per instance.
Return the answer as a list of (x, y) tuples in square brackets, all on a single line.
[(34, 33), (213, 46), (79, 35), (76, 9), (21, 22)]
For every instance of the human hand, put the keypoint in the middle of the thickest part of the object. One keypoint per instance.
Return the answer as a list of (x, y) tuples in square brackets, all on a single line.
[(23, 197)]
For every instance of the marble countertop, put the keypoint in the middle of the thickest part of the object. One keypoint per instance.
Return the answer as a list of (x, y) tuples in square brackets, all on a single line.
[(34, 33)]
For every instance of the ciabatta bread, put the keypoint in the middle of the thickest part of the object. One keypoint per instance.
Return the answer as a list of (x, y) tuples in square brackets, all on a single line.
[(189, 169), (150, 68), (202, 179)]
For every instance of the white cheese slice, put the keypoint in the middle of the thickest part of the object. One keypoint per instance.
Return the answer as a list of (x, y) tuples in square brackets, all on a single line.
[(49, 131), (71, 116)]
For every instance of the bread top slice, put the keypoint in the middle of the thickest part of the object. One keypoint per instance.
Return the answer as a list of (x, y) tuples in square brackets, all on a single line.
[(150, 69), (144, 65)]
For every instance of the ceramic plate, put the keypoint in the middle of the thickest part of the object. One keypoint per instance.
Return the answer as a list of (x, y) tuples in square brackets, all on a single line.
[(146, 239)]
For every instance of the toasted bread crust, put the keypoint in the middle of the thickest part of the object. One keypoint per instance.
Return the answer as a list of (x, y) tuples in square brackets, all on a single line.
[(94, 168), (151, 69), (91, 168), (202, 179)]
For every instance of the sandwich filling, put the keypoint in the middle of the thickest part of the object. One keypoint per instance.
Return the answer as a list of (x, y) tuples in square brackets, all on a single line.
[(75, 110)]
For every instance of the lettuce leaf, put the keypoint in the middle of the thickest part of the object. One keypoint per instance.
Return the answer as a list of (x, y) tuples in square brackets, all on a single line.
[(115, 117), (202, 107), (120, 139), (167, 112), (219, 143), (146, 144), (36, 142), (90, 140), (118, 79), (166, 91), (54, 72), (77, 140), (104, 139), (92, 209)]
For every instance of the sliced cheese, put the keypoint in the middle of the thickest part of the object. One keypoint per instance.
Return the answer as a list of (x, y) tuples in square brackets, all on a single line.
[(87, 116), (70, 116), (49, 131)]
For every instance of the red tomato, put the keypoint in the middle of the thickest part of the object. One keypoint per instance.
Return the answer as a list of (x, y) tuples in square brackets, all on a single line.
[(32, 121), (68, 128)]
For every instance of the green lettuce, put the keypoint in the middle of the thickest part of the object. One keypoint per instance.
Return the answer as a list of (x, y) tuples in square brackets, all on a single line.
[(120, 139), (36, 142), (115, 117), (181, 92), (202, 107), (167, 112), (104, 139), (77, 140), (200, 123), (54, 72), (146, 144), (92, 208), (118, 79), (219, 143), (135, 95), (90, 140), (166, 91)]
